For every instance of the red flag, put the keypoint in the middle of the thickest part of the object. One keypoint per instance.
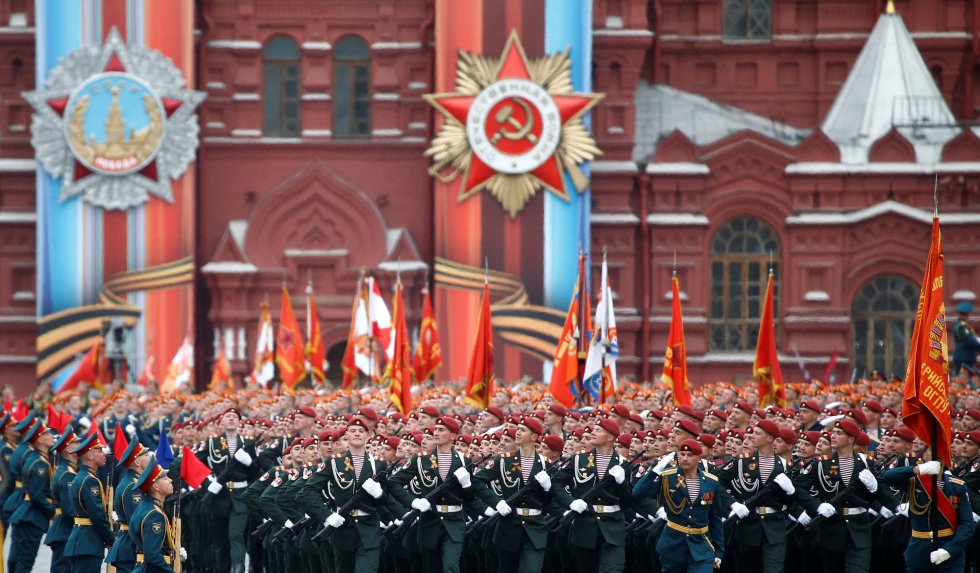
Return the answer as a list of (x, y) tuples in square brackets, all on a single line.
[(192, 470), (6, 405), (399, 371), (57, 421), (766, 366), (349, 362), (428, 355), (289, 345), (93, 368), (675, 360), (94, 429), (20, 410), (565, 374), (316, 354), (119, 443), (925, 408), (479, 379), (828, 375), (263, 371), (221, 375)]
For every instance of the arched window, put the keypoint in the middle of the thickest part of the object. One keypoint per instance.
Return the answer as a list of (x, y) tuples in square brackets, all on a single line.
[(280, 86), (352, 88), (747, 19), (740, 255), (883, 314)]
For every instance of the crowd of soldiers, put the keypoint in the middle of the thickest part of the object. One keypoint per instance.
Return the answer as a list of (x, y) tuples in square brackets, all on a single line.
[(337, 481)]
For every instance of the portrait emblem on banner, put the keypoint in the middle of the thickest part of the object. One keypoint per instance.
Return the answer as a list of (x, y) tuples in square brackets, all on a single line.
[(115, 124), (513, 126)]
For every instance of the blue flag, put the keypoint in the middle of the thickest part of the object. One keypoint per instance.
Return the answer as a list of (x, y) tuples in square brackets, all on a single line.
[(165, 455)]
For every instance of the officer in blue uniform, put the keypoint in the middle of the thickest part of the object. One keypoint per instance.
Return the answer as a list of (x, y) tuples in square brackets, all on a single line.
[(64, 515), (952, 521), (91, 534), (134, 460), (32, 518), (693, 540), (965, 339), (151, 531), (15, 467)]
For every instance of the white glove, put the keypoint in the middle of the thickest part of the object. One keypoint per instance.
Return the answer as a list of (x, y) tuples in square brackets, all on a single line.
[(214, 488), (289, 524), (85, 422), (938, 556), (502, 508), (783, 481), (183, 554), (421, 504), (831, 420), (463, 477), (335, 519), (826, 510), (373, 488), (663, 463), (930, 468), (115, 517), (661, 513), (868, 479), (804, 519), (578, 506), (617, 473), (717, 562), (398, 522), (242, 456), (130, 429), (903, 509), (886, 513), (976, 518), (739, 510), (544, 479), (489, 512)]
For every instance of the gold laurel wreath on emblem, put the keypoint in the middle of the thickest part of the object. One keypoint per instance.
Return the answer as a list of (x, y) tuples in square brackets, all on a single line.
[(452, 154), (141, 145)]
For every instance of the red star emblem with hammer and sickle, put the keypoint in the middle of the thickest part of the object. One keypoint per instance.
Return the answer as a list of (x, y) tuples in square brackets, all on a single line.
[(513, 125), (60, 105)]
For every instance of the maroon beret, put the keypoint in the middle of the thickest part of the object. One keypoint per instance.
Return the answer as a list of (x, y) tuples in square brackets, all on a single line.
[(689, 411), (360, 422), (533, 424), (745, 407), (307, 411), (558, 409), (858, 416), (849, 427), (708, 440), (811, 405), (874, 406), (450, 423), (687, 426), (554, 443), (625, 440), (769, 427), (609, 425), (496, 412), (788, 436), (368, 414), (812, 436), (904, 433), (692, 446)]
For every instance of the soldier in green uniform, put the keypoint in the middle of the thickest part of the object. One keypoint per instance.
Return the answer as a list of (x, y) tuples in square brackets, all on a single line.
[(693, 540), (442, 523), (64, 516), (151, 531), (91, 534), (133, 461), (32, 518), (357, 540), (761, 529), (952, 521), (966, 344), (231, 458), (521, 534), (598, 535)]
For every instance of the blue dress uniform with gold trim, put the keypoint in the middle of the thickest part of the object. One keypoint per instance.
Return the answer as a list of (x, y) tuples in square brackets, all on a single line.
[(694, 536), (32, 518), (15, 495), (122, 554), (64, 514), (91, 534), (150, 529), (925, 522)]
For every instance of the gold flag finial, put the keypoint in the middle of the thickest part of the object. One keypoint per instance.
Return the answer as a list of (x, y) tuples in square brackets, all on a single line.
[(890, 7)]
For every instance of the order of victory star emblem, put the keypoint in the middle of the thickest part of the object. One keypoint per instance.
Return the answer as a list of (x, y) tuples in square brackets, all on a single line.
[(115, 124), (512, 126)]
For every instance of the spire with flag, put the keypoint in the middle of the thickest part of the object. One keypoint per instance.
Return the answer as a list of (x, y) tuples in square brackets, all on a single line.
[(290, 359), (264, 369), (566, 370), (398, 375), (766, 366), (428, 353), (925, 406), (316, 354), (479, 378), (675, 359), (599, 377)]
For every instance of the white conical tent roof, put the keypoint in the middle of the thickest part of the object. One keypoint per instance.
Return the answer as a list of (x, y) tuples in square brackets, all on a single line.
[(889, 86)]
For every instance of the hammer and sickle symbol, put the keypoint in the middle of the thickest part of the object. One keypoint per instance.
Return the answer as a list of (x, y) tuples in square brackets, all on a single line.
[(506, 116)]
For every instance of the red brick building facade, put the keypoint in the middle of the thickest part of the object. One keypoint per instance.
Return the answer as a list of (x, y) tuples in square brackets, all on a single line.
[(717, 152)]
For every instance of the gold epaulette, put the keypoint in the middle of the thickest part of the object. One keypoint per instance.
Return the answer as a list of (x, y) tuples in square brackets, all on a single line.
[(710, 476), (823, 458), (669, 472), (509, 454), (957, 481), (744, 455)]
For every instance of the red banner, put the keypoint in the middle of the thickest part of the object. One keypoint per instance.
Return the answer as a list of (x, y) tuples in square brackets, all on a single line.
[(766, 366), (925, 408), (289, 345), (316, 354), (399, 371), (428, 355), (566, 372), (675, 361), (479, 380)]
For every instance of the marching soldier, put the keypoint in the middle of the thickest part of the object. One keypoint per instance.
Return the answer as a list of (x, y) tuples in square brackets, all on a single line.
[(442, 522), (521, 535), (64, 516), (8, 440), (133, 461), (693, 540), (91, 534), (32, 518), (151, 531), (15, 495), (598, 535), (952, 523)]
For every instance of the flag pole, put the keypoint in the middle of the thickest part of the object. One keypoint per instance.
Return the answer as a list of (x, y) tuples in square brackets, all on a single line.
[(933, 427), (602, 349)]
